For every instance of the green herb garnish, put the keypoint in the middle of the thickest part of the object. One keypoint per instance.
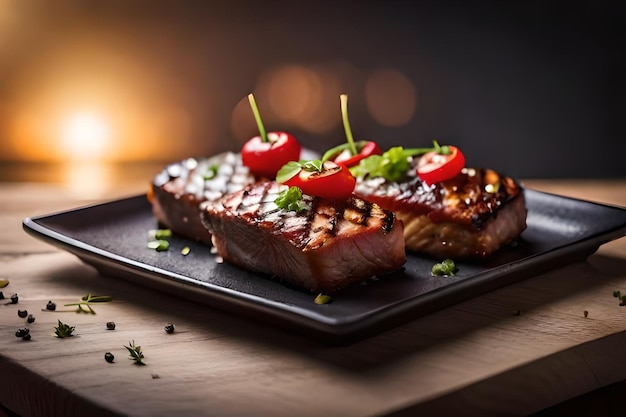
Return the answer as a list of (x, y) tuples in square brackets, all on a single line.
[(3, 282), (292, 168), (135, 353), (446, 268), (159, 245), (291, 199), (158, 239), (617, 294), (87, 301), (211, 172), (393, 164), (158, 234), (185, 251), (63, 330)]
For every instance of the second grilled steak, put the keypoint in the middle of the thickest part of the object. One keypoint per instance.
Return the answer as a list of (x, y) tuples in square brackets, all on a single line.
[(468, 217), (326, 247)]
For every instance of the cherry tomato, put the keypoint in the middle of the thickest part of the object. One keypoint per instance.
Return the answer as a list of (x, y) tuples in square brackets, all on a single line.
[(435, 166), (365, 148), (266, 158), (334, 181)]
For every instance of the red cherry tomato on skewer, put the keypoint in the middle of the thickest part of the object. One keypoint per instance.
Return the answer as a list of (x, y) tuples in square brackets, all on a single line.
[(266, 158), (351, 152), (440, 165), (327, 179), (265, 154), (342, 155)]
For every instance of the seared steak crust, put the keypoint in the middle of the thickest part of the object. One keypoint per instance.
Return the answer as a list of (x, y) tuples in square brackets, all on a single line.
[(468, 217), (326, 247), (177, 191)]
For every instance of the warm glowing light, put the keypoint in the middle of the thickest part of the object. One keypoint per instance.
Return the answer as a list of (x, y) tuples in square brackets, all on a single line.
[(87, 179), (85, 136), (390, 97)]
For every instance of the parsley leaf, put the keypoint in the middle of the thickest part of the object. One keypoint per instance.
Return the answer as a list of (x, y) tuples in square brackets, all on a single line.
[(292, 168), (391, 165), (291, 199), (446, 268)]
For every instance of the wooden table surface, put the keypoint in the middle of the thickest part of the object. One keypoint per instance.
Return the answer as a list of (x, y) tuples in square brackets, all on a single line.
[(513, 351)]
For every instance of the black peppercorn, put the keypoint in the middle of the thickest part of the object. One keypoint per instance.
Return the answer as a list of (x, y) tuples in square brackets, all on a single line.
[(109, 357), (22, 313), (51, 306), (26, 337), (169, 328), (14, 299), (30, 319), (110, 325), (22, 332)]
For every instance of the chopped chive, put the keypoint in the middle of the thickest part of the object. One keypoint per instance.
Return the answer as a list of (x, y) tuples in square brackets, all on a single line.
[(159, 245), (446, 268), (160, 234), (185, 251), (322, 299), (211, 172)]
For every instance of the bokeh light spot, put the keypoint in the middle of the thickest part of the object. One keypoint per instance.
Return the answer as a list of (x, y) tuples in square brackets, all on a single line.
[(391, 97)]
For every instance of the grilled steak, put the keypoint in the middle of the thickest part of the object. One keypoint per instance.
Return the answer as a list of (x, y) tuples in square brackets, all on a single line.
[(177, 191), (326, 247), (468, 217)]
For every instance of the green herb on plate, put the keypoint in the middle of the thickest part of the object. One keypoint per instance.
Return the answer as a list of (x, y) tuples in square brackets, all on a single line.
[(446, 268)]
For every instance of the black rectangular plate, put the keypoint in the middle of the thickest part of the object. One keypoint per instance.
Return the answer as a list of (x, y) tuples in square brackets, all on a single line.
[(113, 237)]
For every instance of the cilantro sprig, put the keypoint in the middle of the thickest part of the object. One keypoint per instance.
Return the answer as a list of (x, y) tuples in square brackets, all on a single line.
[(291, 199), (393, 164)]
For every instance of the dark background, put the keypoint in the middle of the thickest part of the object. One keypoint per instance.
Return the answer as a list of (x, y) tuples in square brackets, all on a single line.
[(532, 88)]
